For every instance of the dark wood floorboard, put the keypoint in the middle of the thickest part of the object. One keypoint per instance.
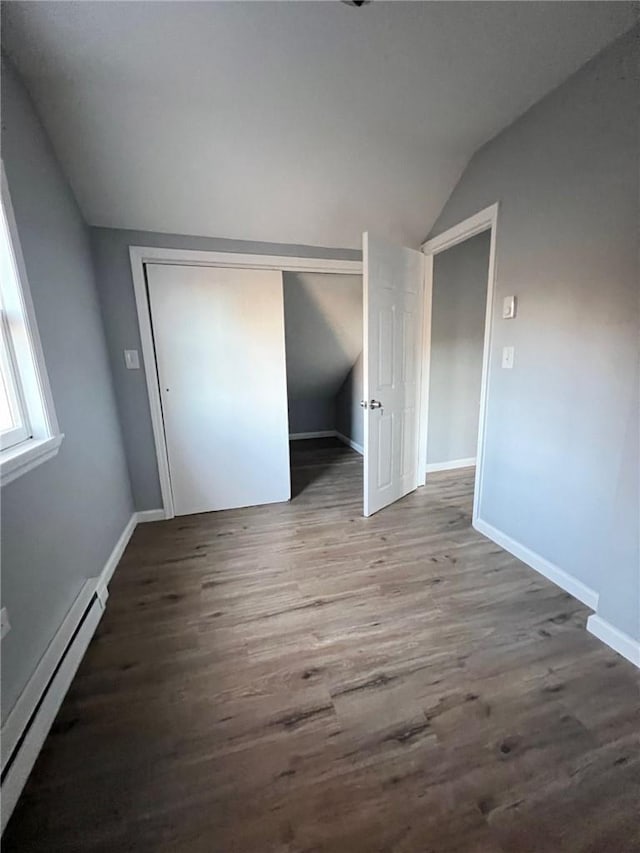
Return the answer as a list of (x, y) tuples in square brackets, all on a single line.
[(296, 678)]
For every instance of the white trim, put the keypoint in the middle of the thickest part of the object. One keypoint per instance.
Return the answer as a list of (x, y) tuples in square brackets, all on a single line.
[(328, 433), (350, 443), (49, 419), (451, 464), (151, 376), (469, 227), (150, 515), (484, 220), (550, 571), (319, 433), (232, 260), (43, 438), (614, 638), (425, 371), (34, 692), (31, 694), (141, 255), (24, 457), (38, 730), (27, 701), (114, 557)]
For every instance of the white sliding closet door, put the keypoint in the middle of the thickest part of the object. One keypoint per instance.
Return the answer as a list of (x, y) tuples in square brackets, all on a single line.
[(393, 312), (219, 342)]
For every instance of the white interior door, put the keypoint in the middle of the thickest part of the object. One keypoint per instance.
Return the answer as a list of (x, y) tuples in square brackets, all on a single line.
[(393, 311), (219, 341)]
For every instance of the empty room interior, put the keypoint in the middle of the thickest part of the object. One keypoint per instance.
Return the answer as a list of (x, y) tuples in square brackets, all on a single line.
[(320, 424)]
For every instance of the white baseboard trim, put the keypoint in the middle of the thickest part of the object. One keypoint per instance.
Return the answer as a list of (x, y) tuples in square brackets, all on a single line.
[(30, 719), (326, 433), (114, 557), (44, 713), (613, 637), (550, 571), (150, 515), (350, 443), (28, 700), (449, 466), (319, 433)]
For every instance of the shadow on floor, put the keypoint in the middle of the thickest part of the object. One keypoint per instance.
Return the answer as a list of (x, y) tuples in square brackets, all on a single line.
[(311, 459)]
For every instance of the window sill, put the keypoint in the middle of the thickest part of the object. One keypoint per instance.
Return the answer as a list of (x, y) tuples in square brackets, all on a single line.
[(16, 461)]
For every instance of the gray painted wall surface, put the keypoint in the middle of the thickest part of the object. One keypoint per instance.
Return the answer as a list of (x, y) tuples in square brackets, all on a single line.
[(60, 521), (323, 330), (115, 287), (349, 414), (457, 337), (561, 473), (310, 414)]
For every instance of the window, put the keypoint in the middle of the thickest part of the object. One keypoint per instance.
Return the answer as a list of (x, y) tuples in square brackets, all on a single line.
[(29, 431)]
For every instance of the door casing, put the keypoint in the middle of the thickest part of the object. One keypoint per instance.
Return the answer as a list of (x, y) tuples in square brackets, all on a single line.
[(141, 255), (484, 220)]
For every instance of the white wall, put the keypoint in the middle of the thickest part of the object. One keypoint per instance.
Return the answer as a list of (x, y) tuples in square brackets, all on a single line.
[(457, 338), (561, 466)]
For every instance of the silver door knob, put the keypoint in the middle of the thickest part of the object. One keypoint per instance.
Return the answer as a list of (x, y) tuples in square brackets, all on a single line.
[(375, 404), (364, 404)]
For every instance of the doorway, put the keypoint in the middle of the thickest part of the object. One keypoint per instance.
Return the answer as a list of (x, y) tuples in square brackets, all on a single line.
[(392, 302), (323, 342), (141, 258), (459, 279), (458, 308)]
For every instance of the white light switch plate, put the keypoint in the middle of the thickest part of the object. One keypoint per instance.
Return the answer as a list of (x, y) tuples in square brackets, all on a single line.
[(508, 308), (132, 359), (507, 357)]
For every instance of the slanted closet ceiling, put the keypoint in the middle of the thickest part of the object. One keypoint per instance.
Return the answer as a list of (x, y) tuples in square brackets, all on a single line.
[(323, 329)]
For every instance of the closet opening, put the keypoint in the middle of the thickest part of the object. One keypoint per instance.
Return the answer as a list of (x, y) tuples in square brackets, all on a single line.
[(323, 344)]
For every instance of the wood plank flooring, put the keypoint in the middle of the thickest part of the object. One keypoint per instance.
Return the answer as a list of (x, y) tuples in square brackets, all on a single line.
[(296, 678)]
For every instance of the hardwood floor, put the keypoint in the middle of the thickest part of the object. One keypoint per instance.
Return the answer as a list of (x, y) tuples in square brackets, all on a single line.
[(295, 677)]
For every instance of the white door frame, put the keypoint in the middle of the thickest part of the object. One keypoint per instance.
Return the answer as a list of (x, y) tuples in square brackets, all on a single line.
[(484, 220), (141, 255)]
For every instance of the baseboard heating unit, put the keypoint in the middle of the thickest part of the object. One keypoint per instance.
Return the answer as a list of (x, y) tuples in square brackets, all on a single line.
[(28, 724)]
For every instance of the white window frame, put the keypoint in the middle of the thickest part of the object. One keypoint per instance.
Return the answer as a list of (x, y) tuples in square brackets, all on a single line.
[(22, 358), (13, 388)]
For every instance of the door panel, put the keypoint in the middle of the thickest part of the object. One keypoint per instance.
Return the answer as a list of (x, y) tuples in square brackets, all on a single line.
[(393, 311), (219, 341)]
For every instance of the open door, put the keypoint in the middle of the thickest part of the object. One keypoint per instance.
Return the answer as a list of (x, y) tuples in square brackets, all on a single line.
[(393, 311)]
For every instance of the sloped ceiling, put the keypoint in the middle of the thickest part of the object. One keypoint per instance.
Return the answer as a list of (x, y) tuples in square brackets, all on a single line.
[(290, 122), (323, 331)]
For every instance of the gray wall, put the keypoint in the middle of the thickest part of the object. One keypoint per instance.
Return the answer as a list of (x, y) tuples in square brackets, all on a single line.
[(561, 473), (323, 329), (115, 286), (312, 413), (61, 520), (457, 337), (349, 414)]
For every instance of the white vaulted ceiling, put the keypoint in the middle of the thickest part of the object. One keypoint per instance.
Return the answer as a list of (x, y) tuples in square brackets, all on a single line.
[(297, 122)]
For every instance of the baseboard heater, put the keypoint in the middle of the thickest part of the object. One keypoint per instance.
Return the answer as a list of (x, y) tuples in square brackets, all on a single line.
[(27, 726)]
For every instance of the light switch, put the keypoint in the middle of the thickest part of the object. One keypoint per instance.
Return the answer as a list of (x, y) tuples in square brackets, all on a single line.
[(508, 308), (132, 359), (507, 357)]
